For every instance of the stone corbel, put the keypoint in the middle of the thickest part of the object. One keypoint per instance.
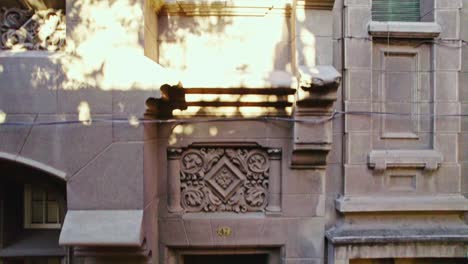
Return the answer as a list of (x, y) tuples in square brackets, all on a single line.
[(314, 109)]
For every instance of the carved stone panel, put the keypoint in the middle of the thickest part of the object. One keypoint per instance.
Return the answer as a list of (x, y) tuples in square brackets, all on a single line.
[(224, 179), (32, 30)]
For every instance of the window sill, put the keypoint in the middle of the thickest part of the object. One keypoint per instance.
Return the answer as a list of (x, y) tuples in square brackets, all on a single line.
[(423, 159), (423, 30), (373, 203)]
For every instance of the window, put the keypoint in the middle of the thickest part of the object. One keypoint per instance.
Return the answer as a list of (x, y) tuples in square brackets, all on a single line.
[(41, 207), (396, 10)]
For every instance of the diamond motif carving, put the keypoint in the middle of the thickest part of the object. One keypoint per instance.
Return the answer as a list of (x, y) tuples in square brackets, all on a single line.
[(224, 180)]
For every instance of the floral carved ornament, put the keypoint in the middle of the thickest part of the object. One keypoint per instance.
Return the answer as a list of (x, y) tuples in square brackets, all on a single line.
[(32, 30), (224, 180)]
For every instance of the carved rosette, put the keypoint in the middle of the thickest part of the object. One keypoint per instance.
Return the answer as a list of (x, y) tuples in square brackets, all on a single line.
[(32, 30), (224, 180)]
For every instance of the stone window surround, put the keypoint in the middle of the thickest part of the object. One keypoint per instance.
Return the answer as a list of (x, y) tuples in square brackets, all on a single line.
[(428, 159)]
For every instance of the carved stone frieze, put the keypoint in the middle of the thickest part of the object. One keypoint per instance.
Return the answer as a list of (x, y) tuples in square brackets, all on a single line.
[(224, 180), (32, 30)]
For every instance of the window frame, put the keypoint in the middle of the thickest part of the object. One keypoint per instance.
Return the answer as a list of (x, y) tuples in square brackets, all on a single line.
[(28, 224), (391, 15)]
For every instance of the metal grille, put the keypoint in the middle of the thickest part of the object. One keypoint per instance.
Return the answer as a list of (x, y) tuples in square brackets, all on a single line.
[(396, 10)]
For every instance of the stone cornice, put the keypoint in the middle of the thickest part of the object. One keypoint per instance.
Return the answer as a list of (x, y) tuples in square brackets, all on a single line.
[(349, 235), (315, 4)]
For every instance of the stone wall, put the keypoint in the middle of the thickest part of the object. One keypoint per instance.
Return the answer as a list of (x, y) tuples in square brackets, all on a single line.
[(463, 93), (102, 74)]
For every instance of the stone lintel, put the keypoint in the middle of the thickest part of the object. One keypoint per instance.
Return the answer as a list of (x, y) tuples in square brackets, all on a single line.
[(404, 29), (424, 159), (401, 204), (349, 235)]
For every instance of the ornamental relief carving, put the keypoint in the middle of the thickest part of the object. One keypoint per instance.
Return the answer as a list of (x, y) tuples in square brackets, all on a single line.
[(32, 30), (224, 180)]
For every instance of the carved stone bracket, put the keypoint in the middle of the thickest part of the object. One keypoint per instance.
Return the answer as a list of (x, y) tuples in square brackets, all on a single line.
[(32, 30), (224, 179), (313, 136)]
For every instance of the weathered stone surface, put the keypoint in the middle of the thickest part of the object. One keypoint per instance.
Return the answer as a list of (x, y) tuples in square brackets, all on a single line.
[(449, 22), (12, 138), (198, 231), (303, 205), (358, 17), (28, 83), (300, 242), (172, 232), (67, 147), (112, 180), (303, 182)]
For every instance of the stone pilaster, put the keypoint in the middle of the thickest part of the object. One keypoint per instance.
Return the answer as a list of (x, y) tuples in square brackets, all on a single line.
[(313, 133)]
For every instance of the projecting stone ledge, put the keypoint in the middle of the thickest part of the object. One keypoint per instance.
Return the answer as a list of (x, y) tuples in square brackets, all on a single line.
[(361, 236), (349, 235), (318, 87), (371, 203), (424, 159), (424, 30)]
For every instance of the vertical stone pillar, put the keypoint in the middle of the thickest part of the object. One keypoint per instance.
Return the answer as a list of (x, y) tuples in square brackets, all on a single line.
[(314, 106), (274, 187), (173, 180)]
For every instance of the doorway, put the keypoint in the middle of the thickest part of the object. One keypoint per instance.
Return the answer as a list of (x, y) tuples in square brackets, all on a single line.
[(226, 259)]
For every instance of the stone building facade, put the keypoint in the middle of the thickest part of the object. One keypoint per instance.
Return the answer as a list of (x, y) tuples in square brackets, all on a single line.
[(181, 131)]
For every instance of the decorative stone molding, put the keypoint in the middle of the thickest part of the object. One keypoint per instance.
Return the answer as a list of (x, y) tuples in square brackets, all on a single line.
[(315, 4), (404, 29), (350, 204), (32, 30), (236, 179), (352, 235), (385, 159), (313, 137)]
